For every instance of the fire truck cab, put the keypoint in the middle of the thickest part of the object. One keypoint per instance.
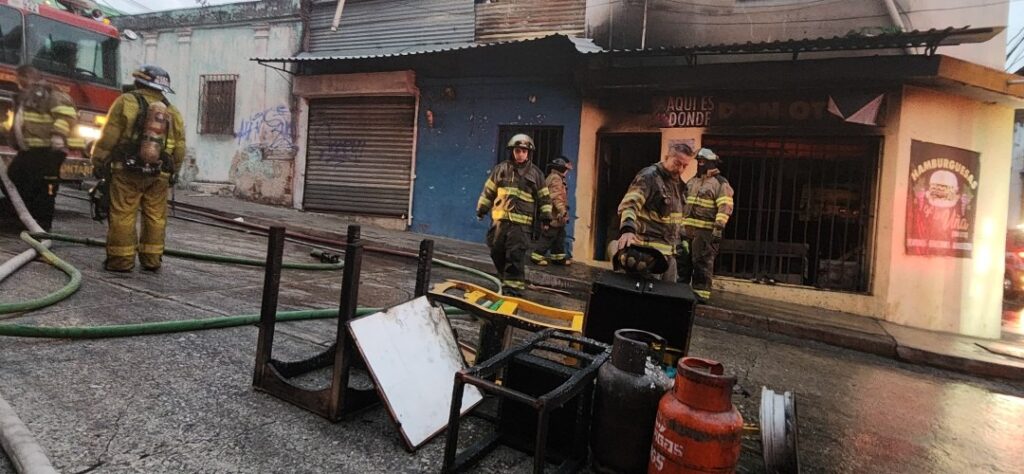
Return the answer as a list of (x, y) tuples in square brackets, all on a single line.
[(76, 51)]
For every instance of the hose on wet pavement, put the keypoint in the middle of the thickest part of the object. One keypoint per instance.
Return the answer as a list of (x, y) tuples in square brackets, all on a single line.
[(74, 282)]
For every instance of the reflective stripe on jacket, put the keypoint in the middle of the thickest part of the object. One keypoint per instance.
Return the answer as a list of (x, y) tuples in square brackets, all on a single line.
[(512, 193), (709, 202), (119, 131), (45, 111), (653, 209)]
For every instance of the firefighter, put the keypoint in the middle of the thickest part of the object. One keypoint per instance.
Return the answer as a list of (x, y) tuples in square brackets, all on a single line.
[(651, 212), (511, 193), (553, 238), (41, 132), (141, 148), (709, 203)]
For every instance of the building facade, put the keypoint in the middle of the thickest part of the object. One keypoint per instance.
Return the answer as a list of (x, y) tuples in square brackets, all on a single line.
[(239, 115), (868, 180)]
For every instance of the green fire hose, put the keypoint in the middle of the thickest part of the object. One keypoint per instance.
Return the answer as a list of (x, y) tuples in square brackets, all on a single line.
[(68, 289)]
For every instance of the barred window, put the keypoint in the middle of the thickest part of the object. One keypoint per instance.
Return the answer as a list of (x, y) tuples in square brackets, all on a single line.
[(217, 104)]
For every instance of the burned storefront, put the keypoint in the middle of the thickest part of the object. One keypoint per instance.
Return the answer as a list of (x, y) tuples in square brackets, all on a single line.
[(818, 151)]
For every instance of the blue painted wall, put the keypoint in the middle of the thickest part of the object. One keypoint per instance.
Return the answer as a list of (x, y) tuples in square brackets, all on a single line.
[(455, 156)]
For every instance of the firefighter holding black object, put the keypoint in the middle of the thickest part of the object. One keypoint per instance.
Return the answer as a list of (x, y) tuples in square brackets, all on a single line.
[(709, 204), (513, 190), (651, 215), (139, 151)]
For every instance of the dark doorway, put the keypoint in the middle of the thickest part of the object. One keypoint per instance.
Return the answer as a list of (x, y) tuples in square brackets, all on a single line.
[(804, 209), (620, 157)]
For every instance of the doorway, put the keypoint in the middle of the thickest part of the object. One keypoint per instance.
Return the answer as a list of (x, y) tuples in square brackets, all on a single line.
[(620, 157)]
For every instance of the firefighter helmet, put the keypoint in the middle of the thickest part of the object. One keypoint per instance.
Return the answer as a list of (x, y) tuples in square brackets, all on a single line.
[(640, 260), (561, 164), (521, 140), (707, 154), (153, 77)]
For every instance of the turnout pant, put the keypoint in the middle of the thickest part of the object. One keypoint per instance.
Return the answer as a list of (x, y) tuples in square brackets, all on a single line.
[(36, 175), (131, 192), (509, 244), (551, 240), (697, 266)]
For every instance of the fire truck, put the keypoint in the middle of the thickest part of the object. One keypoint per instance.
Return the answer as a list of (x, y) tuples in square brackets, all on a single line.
[(76, 50)]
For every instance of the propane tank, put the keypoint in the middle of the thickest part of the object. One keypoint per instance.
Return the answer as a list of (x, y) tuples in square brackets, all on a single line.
[(154, 133), (697, 429), (625, 403)]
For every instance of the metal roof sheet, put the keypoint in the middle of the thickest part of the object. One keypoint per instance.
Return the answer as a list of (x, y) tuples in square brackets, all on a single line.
[(931, 39), (582, 45)]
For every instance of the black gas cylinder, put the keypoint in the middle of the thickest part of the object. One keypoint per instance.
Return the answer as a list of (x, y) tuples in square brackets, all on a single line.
[(629, 387)]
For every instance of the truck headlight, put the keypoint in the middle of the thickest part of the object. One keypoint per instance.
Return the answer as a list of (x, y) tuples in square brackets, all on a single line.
[(87, 132)]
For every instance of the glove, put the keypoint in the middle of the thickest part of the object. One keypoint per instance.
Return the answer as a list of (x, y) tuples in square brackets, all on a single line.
[(716, 234)]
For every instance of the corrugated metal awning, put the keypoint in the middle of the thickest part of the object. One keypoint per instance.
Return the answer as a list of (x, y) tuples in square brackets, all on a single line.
[(930, 40), (582, 45)]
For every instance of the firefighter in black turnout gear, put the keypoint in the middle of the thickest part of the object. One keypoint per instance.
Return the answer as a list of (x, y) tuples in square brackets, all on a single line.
[(709, 204), (512, 193)]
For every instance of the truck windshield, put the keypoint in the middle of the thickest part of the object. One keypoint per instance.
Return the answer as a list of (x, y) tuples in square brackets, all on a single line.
[(72, 52)]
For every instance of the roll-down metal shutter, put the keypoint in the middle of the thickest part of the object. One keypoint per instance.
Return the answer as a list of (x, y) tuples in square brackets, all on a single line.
[(359, 155)]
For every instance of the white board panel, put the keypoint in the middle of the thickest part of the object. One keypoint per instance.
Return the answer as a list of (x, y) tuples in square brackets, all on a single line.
[(413, 356)]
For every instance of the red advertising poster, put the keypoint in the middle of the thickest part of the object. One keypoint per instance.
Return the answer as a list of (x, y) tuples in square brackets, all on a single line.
[(942, 200)]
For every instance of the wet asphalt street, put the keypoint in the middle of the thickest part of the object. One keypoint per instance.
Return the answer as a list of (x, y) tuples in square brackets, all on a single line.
[(184, 402)]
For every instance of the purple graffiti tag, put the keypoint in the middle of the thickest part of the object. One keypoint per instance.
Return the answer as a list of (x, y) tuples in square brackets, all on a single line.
[(271, 129)]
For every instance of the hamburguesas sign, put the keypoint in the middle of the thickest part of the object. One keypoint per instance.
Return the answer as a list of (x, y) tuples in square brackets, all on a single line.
[(942, 200)]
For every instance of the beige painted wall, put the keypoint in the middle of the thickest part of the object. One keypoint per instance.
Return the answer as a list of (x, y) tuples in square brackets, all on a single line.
[(955, 295)]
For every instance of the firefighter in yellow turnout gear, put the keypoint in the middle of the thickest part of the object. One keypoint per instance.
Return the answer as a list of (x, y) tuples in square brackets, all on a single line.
[(142, 145), (511, 193), (41, 132), (709, 204), (651, 211), (552, 239)]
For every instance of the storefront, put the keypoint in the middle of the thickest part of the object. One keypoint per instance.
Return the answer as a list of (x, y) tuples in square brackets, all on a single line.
[(839, 166)]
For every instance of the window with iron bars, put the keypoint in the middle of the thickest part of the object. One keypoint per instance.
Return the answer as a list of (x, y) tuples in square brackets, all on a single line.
[(804, 209), (217, 104)]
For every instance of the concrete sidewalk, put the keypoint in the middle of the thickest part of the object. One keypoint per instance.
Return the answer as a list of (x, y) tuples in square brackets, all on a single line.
[(729, 311)]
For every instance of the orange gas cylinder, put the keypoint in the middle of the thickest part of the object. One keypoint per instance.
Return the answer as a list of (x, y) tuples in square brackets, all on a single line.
[(697, 428)]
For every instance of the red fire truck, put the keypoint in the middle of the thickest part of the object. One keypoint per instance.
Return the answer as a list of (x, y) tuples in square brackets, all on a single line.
[(76, 50)]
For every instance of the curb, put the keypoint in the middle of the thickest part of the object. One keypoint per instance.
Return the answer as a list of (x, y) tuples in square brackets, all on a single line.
[(884, 346), (959, 364)]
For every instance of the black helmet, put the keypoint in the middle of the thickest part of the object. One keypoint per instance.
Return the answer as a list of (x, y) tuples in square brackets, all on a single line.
[(640, 260), (521, 140), (561, 164), (153, 77)]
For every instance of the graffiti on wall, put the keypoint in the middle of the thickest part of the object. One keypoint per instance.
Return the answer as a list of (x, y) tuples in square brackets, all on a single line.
[(271, 129)]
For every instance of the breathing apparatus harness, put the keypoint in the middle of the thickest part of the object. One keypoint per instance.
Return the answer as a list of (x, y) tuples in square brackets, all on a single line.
[(144, 154)]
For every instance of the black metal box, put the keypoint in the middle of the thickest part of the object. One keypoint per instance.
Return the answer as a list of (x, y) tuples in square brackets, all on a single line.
[(621, 301)]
